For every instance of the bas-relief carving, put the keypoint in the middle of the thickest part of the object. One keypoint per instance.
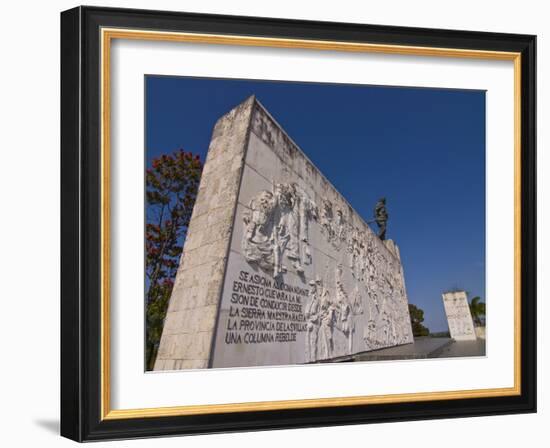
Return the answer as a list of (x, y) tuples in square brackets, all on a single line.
[(312, 313), (287, 229), (326, 312), (388, 323), (325, 347), (333, 224), (362, 286), (276, 228), (345, 316), (258, 236), (276, 236)]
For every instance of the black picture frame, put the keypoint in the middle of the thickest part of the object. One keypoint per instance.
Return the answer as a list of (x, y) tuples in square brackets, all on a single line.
[(81, 380)]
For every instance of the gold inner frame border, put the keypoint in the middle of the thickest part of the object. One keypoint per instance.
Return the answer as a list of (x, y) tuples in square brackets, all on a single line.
[(107, 36)]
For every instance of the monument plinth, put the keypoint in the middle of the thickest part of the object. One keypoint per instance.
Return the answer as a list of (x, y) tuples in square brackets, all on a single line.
[(277, 267), (459, 317)]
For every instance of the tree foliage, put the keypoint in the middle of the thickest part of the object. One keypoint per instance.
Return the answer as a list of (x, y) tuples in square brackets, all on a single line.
[(172, 183), (477, 308), (417, 317)]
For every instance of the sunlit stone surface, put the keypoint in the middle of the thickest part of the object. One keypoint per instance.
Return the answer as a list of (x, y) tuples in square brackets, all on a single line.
[(461, 325)]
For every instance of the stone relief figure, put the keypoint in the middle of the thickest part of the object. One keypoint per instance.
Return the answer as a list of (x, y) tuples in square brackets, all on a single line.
[(327, 312), (326, 330), (276, 226), (281, 237), (345, 317), (333, 224), (372, 333), (307, 212), (357, 301), (289, 222), (352, 249), (388, 317), (357, 254), (325, 218), (257, 242), (339, 230), (312, 316)]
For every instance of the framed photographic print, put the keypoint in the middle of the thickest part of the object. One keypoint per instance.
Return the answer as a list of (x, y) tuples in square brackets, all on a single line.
[(273, 223)]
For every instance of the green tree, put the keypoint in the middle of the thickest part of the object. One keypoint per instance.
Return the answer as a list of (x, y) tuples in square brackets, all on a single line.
[(477, 308), (417, 317), (172, 183)]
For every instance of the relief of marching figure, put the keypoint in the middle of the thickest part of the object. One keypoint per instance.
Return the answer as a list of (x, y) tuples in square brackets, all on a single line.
[(257, 243), (325, 348), (386, 297), (326, 312), (312, 313), (333, 224), (276, 225), (358, 244), (345, 315)]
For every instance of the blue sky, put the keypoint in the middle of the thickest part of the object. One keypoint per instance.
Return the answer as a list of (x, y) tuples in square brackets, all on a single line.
[(423, 149)]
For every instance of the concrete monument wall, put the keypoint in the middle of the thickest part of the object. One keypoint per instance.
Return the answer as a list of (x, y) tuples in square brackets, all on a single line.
[(290, 274), (190, 322), (461, 324)]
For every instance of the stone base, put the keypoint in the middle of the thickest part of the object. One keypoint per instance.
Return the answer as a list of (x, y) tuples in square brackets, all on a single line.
[(421, 348), (462, 349), (480, 332)]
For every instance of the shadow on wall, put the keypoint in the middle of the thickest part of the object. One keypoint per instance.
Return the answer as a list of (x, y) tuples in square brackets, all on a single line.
[(49, 425)]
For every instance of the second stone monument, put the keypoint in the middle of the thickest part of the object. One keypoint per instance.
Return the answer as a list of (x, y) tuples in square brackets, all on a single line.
[(459, 317)]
